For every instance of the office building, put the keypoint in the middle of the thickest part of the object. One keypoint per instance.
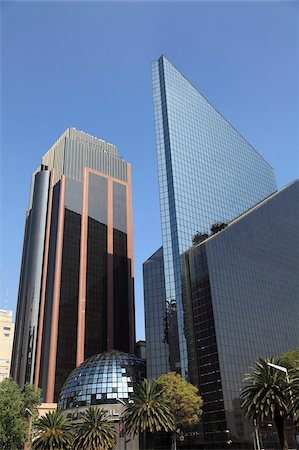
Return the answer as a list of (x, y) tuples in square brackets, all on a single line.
[(157, 348), (6, 340), (240, 299), (76, 284), (140, 349), (207, 173)]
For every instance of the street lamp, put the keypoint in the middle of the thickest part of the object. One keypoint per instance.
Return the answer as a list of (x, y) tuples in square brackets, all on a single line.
[(285, 370), (28, 445), (282, 368), (257, 440), (122, 426)]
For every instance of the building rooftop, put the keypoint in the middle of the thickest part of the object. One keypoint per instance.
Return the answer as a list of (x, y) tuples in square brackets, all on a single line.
[(244, 214)]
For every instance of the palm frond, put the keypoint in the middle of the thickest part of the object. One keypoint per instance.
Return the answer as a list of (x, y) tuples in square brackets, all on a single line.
[(95, 432), (52, 431), (265, 392), (148, 410)]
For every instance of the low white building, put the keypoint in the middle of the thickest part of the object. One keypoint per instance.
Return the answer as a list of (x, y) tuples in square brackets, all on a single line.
[(7, 328)]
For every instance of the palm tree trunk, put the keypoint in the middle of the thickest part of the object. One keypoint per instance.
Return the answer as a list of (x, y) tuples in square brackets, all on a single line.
[(279, 422), (256, 436)]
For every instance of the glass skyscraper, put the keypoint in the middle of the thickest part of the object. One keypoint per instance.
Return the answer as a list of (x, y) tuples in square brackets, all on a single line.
[(76, 294), (207, 173), (240, 299), (157, 349)]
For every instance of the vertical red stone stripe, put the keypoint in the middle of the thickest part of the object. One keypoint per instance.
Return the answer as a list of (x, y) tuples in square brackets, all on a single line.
[(130, 258), (82, 275), (44, 283), (110, 266), (83, 261), (56, 296)]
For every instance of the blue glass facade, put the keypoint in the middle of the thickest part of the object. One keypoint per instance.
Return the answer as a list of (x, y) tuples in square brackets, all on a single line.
[(240, 297), (207, 173), (157, 350)]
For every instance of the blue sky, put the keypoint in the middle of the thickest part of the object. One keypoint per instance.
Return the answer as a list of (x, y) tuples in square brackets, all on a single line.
[(87, 65)]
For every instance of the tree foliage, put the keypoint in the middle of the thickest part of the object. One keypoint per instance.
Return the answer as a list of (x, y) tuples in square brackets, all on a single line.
[(215, 228), (184, 401), (199, 237), (13, 417), (52, 432), (290, 360), (266, 396), (148, 410), (95, 432), (32, 397), (294, 392)]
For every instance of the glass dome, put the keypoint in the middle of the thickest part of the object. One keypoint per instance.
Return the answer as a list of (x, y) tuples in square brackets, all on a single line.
[(103, 378)]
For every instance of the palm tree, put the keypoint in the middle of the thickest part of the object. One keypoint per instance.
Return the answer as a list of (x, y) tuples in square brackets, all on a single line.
[(94, 432), (52, 432), (148, 410), (266, 396), (294, 393)]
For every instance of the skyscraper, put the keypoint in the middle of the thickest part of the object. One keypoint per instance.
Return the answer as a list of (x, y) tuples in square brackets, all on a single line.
[(240, 299), (157, 350), (207, 173), (76, 284)]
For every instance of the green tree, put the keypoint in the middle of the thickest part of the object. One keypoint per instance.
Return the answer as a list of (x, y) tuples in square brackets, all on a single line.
[(217, 226), (148, 410), (184, 401), (266, 396), (94, 432), (290, 360), (199, 237), (52, 432), (13, 417), (294, 392), (32, 397)]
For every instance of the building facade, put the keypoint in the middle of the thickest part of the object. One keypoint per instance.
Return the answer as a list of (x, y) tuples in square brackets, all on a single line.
[(240, 299), (6, 341), (140, 349), (76, 294), (157, 348), (207, 173)]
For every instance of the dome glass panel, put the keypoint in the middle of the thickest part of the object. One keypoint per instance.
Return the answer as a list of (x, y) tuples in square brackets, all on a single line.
[(103, 378)]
